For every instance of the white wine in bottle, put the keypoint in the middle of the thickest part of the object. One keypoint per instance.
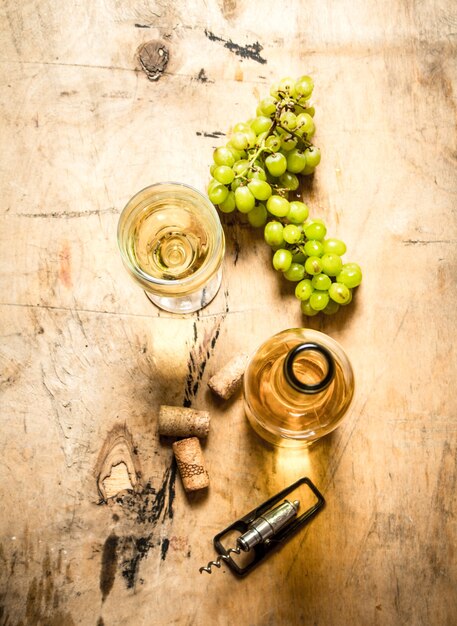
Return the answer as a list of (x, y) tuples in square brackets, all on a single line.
[(297, 387)]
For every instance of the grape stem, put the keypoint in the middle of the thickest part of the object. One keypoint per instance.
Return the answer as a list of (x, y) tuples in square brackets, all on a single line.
[(262, 148), (288, 106)]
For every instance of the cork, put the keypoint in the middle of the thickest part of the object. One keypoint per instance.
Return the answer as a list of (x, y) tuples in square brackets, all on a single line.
[(176, 421), (191, 465), (228, 380)]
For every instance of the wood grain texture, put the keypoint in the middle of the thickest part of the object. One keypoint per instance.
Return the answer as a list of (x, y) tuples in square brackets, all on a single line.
[(83, 351)]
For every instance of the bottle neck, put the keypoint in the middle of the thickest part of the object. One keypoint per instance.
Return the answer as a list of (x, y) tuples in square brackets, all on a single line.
[(309, 368)]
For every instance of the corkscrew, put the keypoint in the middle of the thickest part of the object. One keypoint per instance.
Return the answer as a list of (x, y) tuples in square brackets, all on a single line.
[(265, 528)]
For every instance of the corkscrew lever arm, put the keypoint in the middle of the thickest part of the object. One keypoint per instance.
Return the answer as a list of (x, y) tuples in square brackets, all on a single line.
[(265, 528)]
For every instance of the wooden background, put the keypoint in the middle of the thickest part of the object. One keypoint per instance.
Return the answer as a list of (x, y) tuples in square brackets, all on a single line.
[(85, 356)]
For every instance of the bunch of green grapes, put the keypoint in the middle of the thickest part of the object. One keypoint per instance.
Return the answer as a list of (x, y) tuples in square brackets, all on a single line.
[(254, 174)]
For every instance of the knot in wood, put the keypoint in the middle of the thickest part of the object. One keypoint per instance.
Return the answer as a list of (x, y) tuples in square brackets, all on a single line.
[(153, 57)]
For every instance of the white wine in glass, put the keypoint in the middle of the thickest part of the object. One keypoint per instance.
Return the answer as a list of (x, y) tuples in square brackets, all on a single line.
[(172, 244)]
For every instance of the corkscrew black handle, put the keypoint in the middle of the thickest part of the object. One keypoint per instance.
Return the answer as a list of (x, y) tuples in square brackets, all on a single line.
[(291, 377), (262, 550)]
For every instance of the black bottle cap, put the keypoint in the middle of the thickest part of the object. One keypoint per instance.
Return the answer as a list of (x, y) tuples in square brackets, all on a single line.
[(291, 377)]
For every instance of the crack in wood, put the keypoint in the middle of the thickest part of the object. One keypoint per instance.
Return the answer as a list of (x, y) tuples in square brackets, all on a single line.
[(120, 314), (426, 242), (68, 214), (199, 355), (249, 51), (214, 135)]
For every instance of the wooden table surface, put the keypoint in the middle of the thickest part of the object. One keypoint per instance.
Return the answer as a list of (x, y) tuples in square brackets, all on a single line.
[(85, 358)]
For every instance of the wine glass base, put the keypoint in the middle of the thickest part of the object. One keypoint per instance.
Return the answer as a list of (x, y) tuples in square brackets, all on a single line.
[(191, 302)]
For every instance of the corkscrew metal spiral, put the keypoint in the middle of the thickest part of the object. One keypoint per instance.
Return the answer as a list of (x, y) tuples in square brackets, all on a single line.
[(259, 532), (220, 558)]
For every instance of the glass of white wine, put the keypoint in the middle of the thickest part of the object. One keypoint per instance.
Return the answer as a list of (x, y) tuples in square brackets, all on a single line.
[(172, 244)]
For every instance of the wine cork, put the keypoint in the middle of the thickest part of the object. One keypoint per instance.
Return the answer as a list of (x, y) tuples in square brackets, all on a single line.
[(225, 382), (175, 421), (191, 465)]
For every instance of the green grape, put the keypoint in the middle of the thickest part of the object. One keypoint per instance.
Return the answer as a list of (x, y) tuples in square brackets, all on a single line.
[(273, 234), (236, 183), (212, 183), (313, 156), (319, 300), (288, 142), (268, 106), (260, 189), (307, 309), (258, 216), (276, 164), (238, 155), (310, 110), (257, 173), (240, 167), (274, 91), (334, 246), (350, 275), (321, 282), (339, 293), (313, 265), (218, 193), (282, 260), (289, 181), (288, 120), (251, 137), (307, 171), (228, 205), (331, 264), (292, 234), (241, 127), (315, 229), (223, 156), (296, 161), (353, 266), (212, 168), (349, 299), (304, 87), (273, 143), (261, 124), (314, 248), (278, 206), (310, 134), (239, 141), (298, 212), (260, 141), (244, 199), (224, 174), (287, 86), (295, 273), (304, 289), (305, 125), (331, 308)]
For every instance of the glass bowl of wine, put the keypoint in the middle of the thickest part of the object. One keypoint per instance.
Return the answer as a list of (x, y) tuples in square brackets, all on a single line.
[(172, 244)]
